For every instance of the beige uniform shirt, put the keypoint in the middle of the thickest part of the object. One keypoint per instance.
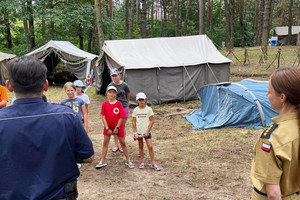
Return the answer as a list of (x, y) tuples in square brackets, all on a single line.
[(276, 156)]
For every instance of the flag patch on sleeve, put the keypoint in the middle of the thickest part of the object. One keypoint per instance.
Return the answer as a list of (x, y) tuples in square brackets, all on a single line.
[(266, 147)]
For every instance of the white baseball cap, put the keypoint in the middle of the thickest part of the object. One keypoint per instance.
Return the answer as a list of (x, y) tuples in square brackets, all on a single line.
[(111, 88), (140, 95), (78, 83)]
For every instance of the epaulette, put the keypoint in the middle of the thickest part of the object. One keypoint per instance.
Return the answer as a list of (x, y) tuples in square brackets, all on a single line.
[(267, 133)]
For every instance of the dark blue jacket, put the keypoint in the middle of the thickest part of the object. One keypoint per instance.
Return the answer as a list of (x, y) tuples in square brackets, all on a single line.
[(39, 145)]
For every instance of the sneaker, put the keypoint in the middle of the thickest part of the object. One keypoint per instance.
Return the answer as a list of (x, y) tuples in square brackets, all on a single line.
[(115, 149), (129, 164), (121, 149), (142, 165), (101, 164), (155, 167)]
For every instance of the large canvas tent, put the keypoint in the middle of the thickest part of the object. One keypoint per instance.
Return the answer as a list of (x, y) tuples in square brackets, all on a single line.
[(4, 57), (237, 104), (283, 31), (78, 61), (166, 69)]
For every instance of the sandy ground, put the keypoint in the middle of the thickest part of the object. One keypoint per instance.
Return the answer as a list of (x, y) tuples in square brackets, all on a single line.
[(211, 164)]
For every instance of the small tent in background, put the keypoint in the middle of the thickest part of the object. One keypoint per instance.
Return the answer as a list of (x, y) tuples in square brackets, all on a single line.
[(165, 69), (283, 32), (4, 57), (240, 104), (78, 61)]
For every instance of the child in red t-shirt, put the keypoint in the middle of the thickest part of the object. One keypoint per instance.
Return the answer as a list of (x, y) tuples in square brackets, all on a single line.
[(112, 117)]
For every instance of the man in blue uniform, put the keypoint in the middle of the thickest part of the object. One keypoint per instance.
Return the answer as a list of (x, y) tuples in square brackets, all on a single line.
[(40, 143)]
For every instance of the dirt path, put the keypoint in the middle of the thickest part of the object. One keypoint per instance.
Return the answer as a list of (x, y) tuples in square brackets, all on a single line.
[(211, 164)]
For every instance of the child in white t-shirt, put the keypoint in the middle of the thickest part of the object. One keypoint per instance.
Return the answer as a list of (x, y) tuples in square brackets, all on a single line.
[(79, 93), (142, 123)]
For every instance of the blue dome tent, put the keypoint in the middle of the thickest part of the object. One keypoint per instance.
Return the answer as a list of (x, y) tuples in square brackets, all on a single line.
[(236, 104)]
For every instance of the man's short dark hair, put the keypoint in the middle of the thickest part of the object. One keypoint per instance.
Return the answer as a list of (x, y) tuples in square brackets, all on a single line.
[(27, 75)]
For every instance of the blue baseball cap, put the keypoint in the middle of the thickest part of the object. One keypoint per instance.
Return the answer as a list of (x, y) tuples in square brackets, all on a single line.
[(114, 71)]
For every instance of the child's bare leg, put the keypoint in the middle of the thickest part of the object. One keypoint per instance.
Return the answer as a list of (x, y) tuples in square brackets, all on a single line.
[(151, 151), (123, 145), (116, 141), (141, 149), (124, 123), (105, 147)]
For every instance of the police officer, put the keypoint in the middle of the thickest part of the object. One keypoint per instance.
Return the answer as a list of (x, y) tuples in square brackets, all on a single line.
[(40, 143), (275, 171)]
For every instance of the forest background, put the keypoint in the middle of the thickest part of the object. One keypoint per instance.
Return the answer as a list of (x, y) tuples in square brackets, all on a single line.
[(28, 24)]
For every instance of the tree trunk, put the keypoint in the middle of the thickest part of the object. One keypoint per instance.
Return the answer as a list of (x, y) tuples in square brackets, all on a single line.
[(162, 20), (241, 13), (143, 18), (186, 16), (89, 49), (232, 24), (259, 30), (265, 32), (227, 23), (26, 32), (208, 14), (126, 15), (111, 9), (177, 18), (8, 32), (165, 20), (98, 7), (152, 18), (290, 22), (211, 16), (31, 24), (131, 15), (229, 26), (173, 12), (282, 12), (137, 13), (256, 15), (201, 4), (52, 28), (111, 14), (271, 14), (180, 18), (220, 13), (80, 37)]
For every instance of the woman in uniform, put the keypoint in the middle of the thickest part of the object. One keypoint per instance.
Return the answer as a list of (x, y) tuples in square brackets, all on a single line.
[(275, 171)]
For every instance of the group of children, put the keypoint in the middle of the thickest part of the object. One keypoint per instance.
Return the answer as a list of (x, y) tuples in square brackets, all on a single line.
[(113, 120)]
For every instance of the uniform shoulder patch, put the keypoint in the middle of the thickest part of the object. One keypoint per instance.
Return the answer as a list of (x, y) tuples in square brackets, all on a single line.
[(266, 147), (267, 133)]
